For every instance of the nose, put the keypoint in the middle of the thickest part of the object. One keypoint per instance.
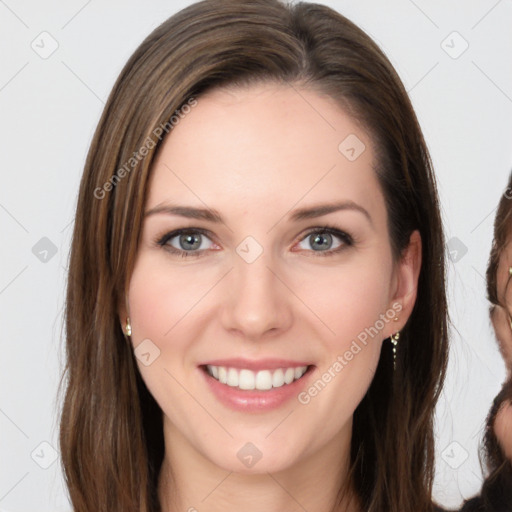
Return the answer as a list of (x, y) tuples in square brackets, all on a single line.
[(256, 300)]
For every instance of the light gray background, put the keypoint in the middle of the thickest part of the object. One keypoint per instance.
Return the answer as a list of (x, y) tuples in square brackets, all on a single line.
[(49, 109)]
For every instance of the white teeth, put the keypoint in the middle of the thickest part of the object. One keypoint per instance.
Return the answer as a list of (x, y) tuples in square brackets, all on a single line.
[(262, 380), (278, 378), (223, 374), (245, 379), (289, 375), (232, 377)]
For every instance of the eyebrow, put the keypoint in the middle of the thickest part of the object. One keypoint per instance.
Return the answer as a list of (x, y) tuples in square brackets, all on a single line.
[(212, 215)]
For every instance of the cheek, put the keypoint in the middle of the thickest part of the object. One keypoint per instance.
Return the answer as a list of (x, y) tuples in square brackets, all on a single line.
[(161, 297), (349, 300), (503, 331), (503, 428), (354, 306), (164, 307)]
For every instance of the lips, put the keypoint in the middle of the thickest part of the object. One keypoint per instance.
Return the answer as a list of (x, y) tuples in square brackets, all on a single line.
[(255, 386)]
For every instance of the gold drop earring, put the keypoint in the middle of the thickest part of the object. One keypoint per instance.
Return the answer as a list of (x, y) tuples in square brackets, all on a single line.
[(394, 340), (128, 327)]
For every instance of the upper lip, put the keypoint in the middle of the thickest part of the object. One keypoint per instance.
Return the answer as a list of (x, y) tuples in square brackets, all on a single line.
[(256, 365)]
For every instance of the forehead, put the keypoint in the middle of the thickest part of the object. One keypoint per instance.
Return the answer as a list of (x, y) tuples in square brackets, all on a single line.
[(265, 145)]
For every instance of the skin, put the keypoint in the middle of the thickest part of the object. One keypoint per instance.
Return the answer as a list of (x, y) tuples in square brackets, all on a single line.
[(254, 155), (502, 328)]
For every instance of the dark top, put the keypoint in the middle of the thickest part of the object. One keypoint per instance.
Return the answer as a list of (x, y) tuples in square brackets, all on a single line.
[(496, 493)]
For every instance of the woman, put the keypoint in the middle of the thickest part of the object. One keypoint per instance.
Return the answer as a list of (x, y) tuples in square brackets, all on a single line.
[(214, 358), (496, 494)]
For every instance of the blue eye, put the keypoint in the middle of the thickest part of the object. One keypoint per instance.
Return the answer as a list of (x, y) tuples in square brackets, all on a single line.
[(323, 241), (185, 242)]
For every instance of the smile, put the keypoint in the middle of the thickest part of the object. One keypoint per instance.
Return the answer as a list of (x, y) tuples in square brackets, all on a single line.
[(262, 380)]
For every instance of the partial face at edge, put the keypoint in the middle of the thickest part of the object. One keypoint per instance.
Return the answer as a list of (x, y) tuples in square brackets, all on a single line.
[(499, 316), (261, 285)]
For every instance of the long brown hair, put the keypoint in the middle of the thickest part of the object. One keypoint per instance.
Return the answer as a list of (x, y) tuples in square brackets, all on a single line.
[(111, 428)]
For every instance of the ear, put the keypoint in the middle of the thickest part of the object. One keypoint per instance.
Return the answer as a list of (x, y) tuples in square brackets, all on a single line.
[(405, 284)]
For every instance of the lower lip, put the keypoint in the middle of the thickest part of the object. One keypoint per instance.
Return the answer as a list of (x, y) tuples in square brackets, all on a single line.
[(255, 400)]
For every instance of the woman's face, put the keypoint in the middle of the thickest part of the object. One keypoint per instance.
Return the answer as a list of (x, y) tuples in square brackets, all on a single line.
[(501, 322), (500, 315), (255, 295)]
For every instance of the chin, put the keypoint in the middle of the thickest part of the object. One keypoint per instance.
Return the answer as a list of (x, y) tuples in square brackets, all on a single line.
[(253, 458)]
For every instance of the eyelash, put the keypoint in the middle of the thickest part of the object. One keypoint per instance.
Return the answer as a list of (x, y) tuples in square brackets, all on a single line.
[(161, 241)]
